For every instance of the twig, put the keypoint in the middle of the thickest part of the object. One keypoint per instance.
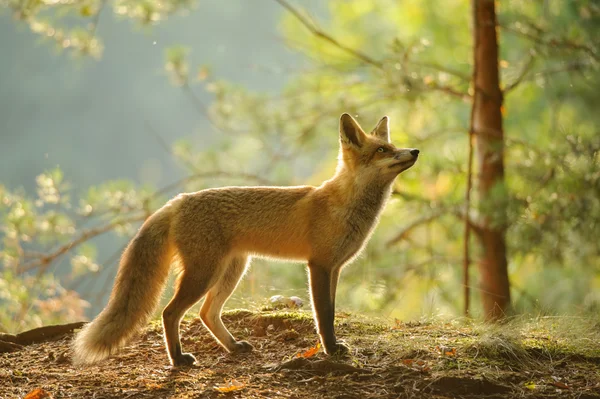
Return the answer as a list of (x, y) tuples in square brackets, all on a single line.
[(524, 72), (80, 284), (408, 229), (451, 91), (328, 38), (467, 230), (166, 146), (574, 66), (435, 134), (454, 211), (96, 18), (439, 68), (83, 237), (202, 109), (562, 43), (44, 260), (106, 285)]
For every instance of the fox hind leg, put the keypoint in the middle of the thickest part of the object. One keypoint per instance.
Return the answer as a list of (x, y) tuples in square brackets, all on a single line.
[(210, 313), (191, 286)]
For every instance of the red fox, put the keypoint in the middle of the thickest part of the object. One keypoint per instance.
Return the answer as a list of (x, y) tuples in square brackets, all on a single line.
[(213, 233)]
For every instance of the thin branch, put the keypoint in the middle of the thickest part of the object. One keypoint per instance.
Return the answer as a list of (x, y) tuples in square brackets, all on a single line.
[(202, 108), (467, 228), (410, 197), (554, 42), (107, 281), (439, 68), (405, 232), (96, 17), (368, 60), (435, 134), (44, 261), (81, 283), (524, 72), (451, 91), (165, 146), (574, 66), (328, 38)]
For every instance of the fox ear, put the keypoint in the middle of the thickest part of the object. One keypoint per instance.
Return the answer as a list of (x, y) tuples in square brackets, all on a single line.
[(382, 130), (350, 131)]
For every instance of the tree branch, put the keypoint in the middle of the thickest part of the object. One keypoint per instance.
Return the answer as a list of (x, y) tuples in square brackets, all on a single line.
[(404, 233), (524, 72), (45, 260), (407, 230), (451, 91), (328, 38), (439, 68), (554, 42), (96, 17)]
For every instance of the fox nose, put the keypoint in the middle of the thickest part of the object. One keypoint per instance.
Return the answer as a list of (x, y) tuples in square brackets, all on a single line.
[(414, 153)]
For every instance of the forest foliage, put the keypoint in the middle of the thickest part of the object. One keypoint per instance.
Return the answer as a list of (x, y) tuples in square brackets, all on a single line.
[(410, 60)]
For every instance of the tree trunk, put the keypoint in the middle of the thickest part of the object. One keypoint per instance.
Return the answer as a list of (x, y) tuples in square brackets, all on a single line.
[(487, 128)]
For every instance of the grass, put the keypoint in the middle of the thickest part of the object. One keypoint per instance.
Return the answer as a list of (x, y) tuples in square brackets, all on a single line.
[(540, 357)]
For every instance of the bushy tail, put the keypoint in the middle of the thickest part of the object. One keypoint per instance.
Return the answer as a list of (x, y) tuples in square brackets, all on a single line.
[(137, 290)]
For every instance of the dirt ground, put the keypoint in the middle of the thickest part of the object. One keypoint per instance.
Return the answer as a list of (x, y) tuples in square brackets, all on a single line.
[(402, 360)]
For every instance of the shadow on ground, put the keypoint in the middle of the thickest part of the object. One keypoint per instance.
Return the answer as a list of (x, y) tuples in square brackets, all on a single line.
[(414, 360)]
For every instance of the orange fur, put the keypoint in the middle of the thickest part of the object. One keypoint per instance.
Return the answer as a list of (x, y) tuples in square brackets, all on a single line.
[(215, 232)]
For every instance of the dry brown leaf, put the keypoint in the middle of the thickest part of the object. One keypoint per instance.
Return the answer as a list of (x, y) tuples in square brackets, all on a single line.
[(560, 385), (446, 351), (232, 385), (38, 393), (417, 364), (311, 352)]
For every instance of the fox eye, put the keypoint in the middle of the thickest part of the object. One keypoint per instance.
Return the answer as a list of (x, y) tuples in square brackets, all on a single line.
[(380, 149)]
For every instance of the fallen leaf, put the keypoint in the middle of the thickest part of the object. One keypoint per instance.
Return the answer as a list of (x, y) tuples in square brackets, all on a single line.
[(417, 364), (560, 385), (153, 385), (446, 351), (230, 386), (311, 352), (38, 393), (530, 385)]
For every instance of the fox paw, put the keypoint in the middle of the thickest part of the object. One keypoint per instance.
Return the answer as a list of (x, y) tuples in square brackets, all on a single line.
[(242, 347), (185, 359), (338, 349)]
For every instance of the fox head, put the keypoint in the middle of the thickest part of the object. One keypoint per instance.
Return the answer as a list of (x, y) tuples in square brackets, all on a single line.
[(372, 155)]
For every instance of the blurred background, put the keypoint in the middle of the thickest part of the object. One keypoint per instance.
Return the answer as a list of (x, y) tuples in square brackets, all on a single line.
[(109, 108)]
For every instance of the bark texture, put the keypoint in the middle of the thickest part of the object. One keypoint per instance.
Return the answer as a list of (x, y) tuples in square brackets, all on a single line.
[(489, 137)]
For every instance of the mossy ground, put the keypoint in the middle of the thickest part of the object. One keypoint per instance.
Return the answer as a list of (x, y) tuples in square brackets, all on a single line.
[(541, 358)]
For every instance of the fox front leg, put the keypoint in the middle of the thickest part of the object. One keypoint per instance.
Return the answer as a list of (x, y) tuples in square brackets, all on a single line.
[(323, 285)]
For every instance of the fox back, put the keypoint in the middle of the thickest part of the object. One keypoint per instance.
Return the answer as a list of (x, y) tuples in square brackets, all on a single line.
[(329, 223)]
